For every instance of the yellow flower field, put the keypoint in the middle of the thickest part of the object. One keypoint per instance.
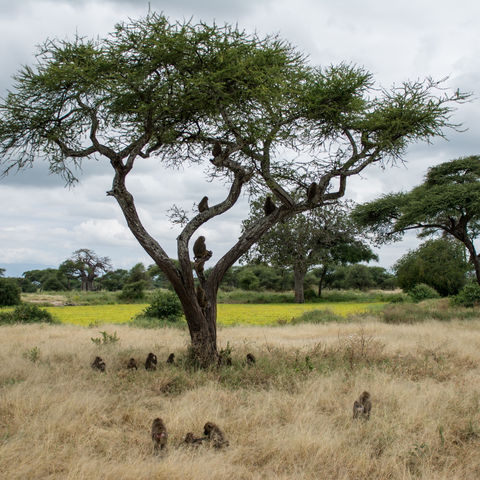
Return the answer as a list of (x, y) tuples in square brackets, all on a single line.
[(228, 314)]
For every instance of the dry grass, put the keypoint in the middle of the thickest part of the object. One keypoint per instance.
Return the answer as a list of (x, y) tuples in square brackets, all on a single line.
[(289, 416)]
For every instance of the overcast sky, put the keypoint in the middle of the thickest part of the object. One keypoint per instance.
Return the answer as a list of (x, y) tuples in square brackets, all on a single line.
[(42, 222)]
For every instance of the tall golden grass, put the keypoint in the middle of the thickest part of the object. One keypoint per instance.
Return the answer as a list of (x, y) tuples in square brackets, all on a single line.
[(287, 417)]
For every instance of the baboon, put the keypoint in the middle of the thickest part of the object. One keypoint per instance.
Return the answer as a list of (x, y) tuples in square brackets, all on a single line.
[(151, 362), (159, 435), (217, 149), (98, 364), (363, 406), (192, 440), (201, 297), (250, 359), (269, 207), (171, 358), (311, 191), (132, 364), (203, 205), (215, 435), (357, 409), (199, 248)]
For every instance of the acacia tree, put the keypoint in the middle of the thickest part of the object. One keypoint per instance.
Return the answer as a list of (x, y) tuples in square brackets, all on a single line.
[(86, 265), (181, 90), (317, 237), (447, 202)]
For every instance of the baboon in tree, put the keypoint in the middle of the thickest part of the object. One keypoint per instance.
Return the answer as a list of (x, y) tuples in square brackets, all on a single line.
[(159, 435), (151, 362), (250, 359), (215, 435), (98, 364), (171, 358), (269, 207), (217, 149), (201, 297), (363, 406), (132, 364), (311, 191), (199, 248), (203, 205)]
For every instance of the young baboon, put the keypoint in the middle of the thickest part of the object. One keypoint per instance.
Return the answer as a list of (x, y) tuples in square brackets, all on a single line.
[(357, 409), (363, 406), (98, 364), (215, 435), (311, 191), (217, 149), (199, 248), (159, 435), (151, 362), (171, 358), (203, 205), (201, 297), (192, 440), (250, 359), (269, 207), (132, 364)]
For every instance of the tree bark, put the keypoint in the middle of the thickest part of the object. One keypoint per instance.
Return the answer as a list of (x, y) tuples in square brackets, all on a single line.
[(321, 281), (299, 273)]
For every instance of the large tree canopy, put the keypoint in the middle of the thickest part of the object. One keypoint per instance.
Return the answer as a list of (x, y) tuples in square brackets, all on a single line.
[(179, 91), (448, 202)]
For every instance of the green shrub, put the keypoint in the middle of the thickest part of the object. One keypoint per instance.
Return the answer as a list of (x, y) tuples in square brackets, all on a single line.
[(27, 313), (165, 305), (469, 296), (133, 291), (317, 316), (9, 292), (423, 291), (309, 295)]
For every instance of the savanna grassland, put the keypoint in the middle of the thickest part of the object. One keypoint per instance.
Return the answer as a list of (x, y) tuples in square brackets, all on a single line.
[(288, 416)]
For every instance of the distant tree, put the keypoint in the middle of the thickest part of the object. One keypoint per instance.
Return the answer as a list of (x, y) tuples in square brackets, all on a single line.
[(138, 273), (69, 274), (47, 279), (87, 266), (320, 237), (439, 264), (192, 93), (2, 272), (448, 202), (113, 280)]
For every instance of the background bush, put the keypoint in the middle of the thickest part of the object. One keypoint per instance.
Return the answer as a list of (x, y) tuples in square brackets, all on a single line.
[(27, 313), (133, 291), (469, 296), (9, 292), (422, 291), (165, 305)]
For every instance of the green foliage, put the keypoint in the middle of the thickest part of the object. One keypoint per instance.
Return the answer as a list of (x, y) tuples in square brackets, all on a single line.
[(114, 280), (27, 313), (9, 292), (469, 296), (164, 305), (318, 316), (33, 354), (132, 292), (105, 339), (421, 291), (438, 263)]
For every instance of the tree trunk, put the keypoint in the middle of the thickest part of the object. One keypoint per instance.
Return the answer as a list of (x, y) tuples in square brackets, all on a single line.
[(321, 281), (202, 325), (299, 276)]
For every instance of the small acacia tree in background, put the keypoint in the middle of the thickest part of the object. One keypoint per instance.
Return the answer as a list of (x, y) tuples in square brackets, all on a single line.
[(319, 237), (215, 95), (447, 202)]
